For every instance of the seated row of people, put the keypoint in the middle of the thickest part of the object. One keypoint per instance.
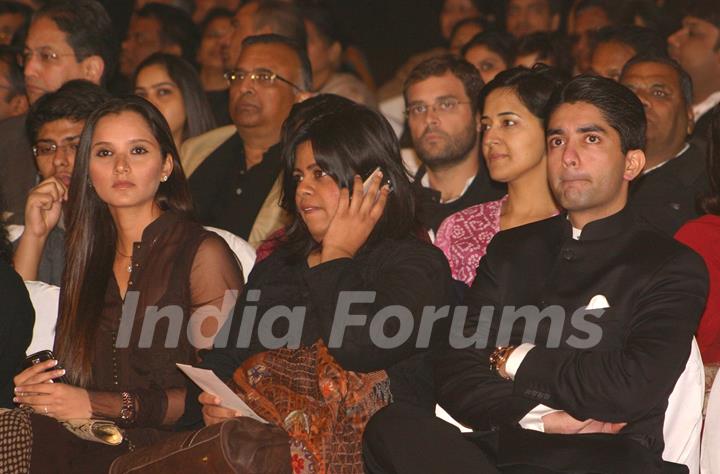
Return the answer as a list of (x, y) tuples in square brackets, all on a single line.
[(612, 376)]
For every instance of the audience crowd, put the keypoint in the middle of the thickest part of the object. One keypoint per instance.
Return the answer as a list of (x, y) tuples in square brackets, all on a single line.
[(503, 259)]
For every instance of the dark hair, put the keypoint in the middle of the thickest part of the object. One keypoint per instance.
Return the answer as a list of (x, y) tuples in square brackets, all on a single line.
[(347, 139), (710, 203), (686, 85), (620, 107), (300, 52), (550, 47), (707, 10), (15, 76), (467, 21), (324, 22), (555, 6), (640, 39), (74, 101), (283, 18), (490, 10), (440, 65), (176, 27), (17, 8), (91, 237), (88, 28), (199, 117), (213, 15), (586, 4), (501, 43), (650, 15), (187, 6), (534, 87)]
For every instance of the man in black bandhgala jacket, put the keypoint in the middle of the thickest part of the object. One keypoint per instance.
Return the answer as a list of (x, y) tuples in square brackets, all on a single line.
[(589, 391)]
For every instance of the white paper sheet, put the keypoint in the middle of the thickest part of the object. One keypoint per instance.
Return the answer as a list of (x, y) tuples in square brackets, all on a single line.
[(210, 383)]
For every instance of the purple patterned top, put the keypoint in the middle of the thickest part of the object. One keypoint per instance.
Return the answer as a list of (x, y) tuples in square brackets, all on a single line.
[(464, 236)]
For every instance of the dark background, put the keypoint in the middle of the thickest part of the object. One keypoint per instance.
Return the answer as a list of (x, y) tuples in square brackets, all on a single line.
[(388, 31)]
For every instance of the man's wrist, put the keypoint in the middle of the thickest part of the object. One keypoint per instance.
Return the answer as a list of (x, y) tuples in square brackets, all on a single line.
[(498, 358)]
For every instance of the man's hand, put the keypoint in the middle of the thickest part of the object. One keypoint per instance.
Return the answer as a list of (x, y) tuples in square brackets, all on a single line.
[(560, 422), (44, 207), (212, 411)]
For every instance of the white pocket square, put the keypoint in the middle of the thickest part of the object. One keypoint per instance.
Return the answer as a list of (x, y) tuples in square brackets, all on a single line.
[(598, 302)]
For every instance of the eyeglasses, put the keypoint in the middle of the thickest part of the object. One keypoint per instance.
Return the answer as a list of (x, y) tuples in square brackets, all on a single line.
[(444, 105), (45, 55), (263, 77), (45, 149)]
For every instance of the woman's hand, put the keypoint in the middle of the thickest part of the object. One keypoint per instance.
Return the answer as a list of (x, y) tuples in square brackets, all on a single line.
[(44, 207), (38, 373), (212, 411), (355, 219), (58, 400)]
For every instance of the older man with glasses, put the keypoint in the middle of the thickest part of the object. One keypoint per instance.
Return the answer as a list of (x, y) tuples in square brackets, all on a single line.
[(234, 171)]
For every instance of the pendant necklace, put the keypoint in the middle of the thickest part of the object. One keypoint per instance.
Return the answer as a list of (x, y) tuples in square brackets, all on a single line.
[(129, 267)]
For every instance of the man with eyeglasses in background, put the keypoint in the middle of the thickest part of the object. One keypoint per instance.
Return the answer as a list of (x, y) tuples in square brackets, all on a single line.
[(234, 171), (54, 125), (66, 40), (444, 121)]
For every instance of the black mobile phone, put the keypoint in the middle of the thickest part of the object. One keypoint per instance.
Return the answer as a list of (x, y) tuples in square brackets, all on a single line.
[(42, 356)]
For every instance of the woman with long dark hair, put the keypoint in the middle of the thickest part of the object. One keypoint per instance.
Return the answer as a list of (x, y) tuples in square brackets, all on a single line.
[(344, 237), (133, 253), (172, 85)]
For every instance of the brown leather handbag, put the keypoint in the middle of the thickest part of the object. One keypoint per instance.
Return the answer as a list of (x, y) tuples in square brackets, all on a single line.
[(237, 445)]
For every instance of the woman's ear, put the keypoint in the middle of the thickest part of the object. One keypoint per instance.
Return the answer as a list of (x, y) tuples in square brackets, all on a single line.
[(167, 167)]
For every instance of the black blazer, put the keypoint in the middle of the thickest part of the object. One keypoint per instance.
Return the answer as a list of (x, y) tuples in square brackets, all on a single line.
[(667, 196), (17, 318), (655, 288)]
